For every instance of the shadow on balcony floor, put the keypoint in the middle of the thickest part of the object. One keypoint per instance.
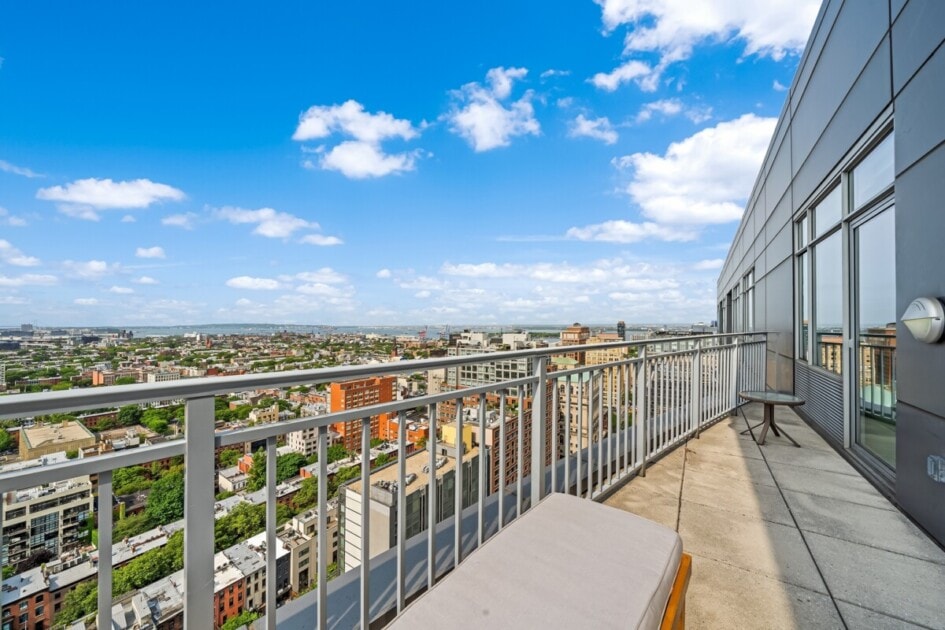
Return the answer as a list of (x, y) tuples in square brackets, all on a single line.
[(785, 537)]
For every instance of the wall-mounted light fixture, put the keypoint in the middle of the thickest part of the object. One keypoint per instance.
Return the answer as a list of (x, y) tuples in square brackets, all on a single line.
[(925, 319)]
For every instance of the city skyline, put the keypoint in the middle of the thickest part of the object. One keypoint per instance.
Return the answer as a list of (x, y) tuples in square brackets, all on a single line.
[(547, 164)]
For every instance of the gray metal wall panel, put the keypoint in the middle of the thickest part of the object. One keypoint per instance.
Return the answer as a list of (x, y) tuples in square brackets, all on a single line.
[(761, 289), (859, 28), (918, 436), (920, 123), (916, 33), (865, 101), (779, 307), (780, 176), (780, 248), (920, 261), (815, 45), (897, 6), (781, 216), (824, 396)]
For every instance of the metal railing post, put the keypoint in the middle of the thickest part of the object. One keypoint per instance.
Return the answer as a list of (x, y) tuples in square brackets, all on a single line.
[(322, 574), (104, 618), (199, 465), (640, 419), (695, 404), (271, 499), (539, 432)]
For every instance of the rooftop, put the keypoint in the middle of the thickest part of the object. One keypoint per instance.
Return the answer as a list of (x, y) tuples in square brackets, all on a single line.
[(47, 434), (416, 464), (785, 537)]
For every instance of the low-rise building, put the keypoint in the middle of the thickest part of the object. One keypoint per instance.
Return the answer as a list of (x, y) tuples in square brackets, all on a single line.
[(47, 438)]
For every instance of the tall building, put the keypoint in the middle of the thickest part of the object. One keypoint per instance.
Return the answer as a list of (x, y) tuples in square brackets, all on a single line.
[(575, 335), (841, 233), (362, 392), (622, 330), (383, 501), (48, 519), (613, 382), (46, 439)]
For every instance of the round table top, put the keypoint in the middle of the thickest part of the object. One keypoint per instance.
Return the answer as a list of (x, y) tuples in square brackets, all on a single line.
[(772, 398)]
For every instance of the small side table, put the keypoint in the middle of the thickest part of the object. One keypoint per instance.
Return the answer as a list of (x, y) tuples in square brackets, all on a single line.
[(769, 400)]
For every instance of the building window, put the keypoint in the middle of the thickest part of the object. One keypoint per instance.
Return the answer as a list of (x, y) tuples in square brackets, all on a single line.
[(748, 286), (874, 174), (828, 303)]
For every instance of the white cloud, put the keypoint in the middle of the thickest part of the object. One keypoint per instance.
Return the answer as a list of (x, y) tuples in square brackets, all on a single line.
[(121, 290), (479, 116), (85, 301), (356, 159), (90, 269), (145, 280), (778, 86), (362, 156), (669, 107), (703, 179), (6, 167), (321, 240), (185, 221), (422, 294), (253, 284), (12, 256), (383, 273), (350, 118), (666, 107), (8, 219), (13, 300), (619, 231), (709, 264), (597, 128), (634, 70), (672, 28), (84, 197), (150, 252), (128, 219), (28, 279), (551, 73), (269, 223), (325, 275)]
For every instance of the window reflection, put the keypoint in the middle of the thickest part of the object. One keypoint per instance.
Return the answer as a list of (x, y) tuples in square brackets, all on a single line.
[(874, 174), (828, 303)]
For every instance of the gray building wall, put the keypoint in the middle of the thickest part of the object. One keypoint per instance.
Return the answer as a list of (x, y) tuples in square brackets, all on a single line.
[(866, 60)]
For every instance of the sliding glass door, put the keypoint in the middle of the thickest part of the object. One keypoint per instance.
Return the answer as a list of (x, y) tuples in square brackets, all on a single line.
[(874, 334)]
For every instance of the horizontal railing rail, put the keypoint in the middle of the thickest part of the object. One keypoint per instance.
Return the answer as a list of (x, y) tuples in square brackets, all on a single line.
[(588, 429)]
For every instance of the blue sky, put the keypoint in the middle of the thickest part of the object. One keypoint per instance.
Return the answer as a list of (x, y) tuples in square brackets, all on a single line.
[(376, 163)]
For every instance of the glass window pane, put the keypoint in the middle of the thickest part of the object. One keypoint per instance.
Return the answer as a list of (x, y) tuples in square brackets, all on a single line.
[(874, 173), (875, 244), (828, 303), (802, 232), (803, 275), (828, 212)]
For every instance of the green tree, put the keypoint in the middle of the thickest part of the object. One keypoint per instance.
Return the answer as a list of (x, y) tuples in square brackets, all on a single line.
[(61, 386), (336, 452), (166, 501), (130, 479), (78, 603), (243, 619), (6, 440), (129, 415), (125, 380), (307, 496), (243, 521), (257, 474), (287, 466), (229, 457)]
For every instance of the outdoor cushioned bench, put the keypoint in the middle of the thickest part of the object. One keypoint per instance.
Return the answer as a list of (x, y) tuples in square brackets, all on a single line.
[(566, 563)]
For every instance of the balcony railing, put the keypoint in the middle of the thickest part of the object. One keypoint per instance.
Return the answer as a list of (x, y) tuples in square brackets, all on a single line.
[(658, 396)]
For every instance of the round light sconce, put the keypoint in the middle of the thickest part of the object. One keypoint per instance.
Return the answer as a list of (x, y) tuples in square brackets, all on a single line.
[(925, 319)]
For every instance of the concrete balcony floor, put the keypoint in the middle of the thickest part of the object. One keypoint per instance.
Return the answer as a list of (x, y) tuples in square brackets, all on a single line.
[(785, 537)]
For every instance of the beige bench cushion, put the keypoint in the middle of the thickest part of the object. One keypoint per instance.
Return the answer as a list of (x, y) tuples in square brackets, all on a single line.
[(567, 563)]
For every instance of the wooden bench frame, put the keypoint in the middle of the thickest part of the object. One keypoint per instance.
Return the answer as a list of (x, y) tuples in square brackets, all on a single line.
[(674, 617)]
